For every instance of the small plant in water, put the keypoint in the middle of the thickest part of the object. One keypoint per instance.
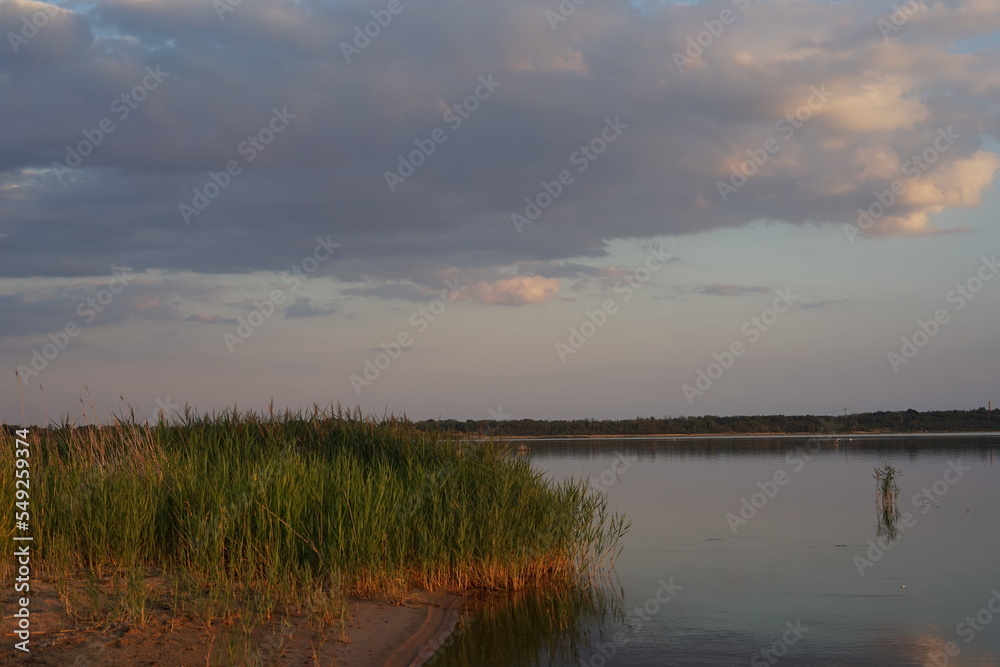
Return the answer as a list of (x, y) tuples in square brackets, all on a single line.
[(886, 492), (886, 486)]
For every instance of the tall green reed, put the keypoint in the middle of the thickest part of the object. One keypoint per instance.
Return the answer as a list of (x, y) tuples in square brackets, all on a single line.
[(275, 507)]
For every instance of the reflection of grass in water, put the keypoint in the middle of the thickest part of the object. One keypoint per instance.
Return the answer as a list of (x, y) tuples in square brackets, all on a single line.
[(886, 493), (888, 516), (533, 626)]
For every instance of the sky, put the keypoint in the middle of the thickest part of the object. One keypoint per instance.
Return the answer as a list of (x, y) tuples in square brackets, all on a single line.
[(520, 209)]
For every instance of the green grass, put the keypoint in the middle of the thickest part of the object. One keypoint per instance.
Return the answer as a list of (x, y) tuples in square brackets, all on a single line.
[(886, 484), (251, 512)]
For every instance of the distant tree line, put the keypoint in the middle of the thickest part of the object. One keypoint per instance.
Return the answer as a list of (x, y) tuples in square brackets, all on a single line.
[(904, 421), (908, 421)]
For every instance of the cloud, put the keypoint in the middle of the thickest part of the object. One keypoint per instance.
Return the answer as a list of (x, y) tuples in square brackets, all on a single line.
[(881, 104), (205, 318), (560, 269), (302, 307), (727, 289), (516, 291), (46, 305), (822, 304), (402, 291), (325, 172), (960, 183)]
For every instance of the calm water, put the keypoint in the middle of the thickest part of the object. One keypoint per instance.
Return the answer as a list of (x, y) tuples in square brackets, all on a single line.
[(799, 578)]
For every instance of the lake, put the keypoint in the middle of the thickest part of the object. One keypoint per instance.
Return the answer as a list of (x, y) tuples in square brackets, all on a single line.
[(766, 551)]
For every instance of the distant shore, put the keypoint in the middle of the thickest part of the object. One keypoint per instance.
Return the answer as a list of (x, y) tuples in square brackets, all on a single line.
[(980, 420), (691, 436)]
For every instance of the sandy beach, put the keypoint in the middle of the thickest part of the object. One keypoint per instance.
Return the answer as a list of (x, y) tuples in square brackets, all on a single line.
[(378, 633)]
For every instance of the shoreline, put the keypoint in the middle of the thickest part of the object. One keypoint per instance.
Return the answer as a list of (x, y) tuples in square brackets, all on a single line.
[(676, 436), (377, 632), (442, 615)]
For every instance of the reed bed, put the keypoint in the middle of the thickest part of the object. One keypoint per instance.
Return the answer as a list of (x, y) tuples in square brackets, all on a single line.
[(225, 508)]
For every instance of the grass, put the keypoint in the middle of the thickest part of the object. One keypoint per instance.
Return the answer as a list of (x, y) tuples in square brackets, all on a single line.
[(886, 492), (886, 484), (244, 514)]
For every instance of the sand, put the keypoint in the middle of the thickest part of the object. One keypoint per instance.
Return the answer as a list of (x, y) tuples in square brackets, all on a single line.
[(378, 633)]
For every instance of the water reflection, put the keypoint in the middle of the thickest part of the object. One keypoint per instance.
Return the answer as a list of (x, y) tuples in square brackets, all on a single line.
[(912, 447), (804, 507), (888, 521), (535, 626)]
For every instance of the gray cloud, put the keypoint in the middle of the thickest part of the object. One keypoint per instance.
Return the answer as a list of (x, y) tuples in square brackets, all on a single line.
[(402, 291), (822, 304), (302, 307), (324, 172), (727, 289), (48, 306)]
